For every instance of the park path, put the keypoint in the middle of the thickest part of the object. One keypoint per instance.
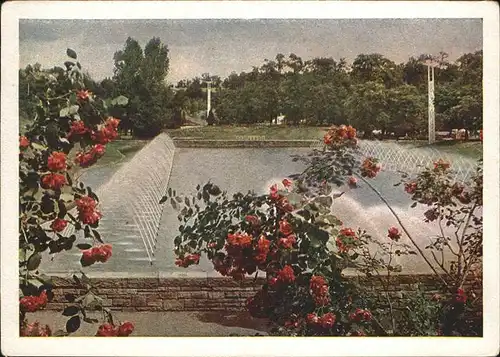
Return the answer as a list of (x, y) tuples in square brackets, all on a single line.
[(170, 324)]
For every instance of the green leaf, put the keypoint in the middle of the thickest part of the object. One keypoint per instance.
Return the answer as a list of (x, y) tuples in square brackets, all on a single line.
[(71, 53), (97, 236), (318, 236), (414, 204), (120, 100), (64, 112), (163, 200), (73, 324), (38, 146), (84, 246), (34, 261), (70, 310), (73, 109)]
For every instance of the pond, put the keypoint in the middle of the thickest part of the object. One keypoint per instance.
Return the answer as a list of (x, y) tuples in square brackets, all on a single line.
[(242, 170)]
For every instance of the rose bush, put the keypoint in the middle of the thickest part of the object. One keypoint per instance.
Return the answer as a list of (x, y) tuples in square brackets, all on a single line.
[(292, 237), (70, 131)]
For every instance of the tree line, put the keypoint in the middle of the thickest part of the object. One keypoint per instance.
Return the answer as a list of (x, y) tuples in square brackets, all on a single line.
[(371, 93)]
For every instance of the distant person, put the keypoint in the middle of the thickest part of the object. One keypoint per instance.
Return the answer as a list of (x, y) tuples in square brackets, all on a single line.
[(211, 118)]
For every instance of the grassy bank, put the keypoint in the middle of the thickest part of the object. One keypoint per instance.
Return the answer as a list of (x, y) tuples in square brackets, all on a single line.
[(471, 149), (248, 133), (119, 150)]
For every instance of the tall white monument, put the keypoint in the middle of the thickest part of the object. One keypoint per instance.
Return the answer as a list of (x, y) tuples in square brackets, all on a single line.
[(431, 112), (209, 98)]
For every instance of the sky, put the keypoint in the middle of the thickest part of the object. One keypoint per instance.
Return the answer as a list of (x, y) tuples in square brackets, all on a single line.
[(222, 46)]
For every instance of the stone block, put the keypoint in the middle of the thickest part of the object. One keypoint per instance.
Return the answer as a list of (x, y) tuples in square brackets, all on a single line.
[(172, 305)]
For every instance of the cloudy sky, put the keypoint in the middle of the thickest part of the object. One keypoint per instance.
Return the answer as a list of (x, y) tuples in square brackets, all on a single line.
[(222, 46)]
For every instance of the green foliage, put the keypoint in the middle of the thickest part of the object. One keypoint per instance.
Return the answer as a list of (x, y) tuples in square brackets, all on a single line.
[(140, 76), (69, 124)]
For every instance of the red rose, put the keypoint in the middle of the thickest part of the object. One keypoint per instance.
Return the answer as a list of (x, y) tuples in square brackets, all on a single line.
[(361, 315), (347, 232), (460, 296), (328, 139), (273, 192), (193, 258), (370, 167), (394, 233), (98, 150), (83, 95), (273, 281), (107, 330), (57, 161), (284, 205), (23, 142), (353, 181), (286, 274), (253, 220), (288, 242), (212, 245), (58, 224), (317, 282), (77, 128), (33, 303), (285, 227), (35, 330), (287, 183), (410, 187), (126, 328), (327, 320), (87, 258), (102, 253), (53, 181), (104, 135), (351, 132), (112, 122), (87, 211), (441, 165), (312, 319)]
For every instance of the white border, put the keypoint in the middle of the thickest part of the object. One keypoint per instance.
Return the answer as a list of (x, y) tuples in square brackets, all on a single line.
[(12, 345)]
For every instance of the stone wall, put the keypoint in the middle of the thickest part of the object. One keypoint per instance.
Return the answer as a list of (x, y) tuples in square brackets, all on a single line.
[(209, 294)]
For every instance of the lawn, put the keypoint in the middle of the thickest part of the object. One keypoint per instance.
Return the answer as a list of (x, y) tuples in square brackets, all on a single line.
[(118, 150), (471, 149), (249, 133)]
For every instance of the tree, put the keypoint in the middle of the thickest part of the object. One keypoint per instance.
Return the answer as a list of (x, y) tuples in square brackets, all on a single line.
[(376, 68), (141, 77)]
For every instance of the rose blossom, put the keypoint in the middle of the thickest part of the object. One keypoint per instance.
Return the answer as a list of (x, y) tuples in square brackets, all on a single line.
[(57, 161), (107, 330), (394, 233), (58, 224), (23, 142), (83, 95), (126, 328), (35, 330), (53, 181), (327, 320), (285, 227), (286, 274)]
